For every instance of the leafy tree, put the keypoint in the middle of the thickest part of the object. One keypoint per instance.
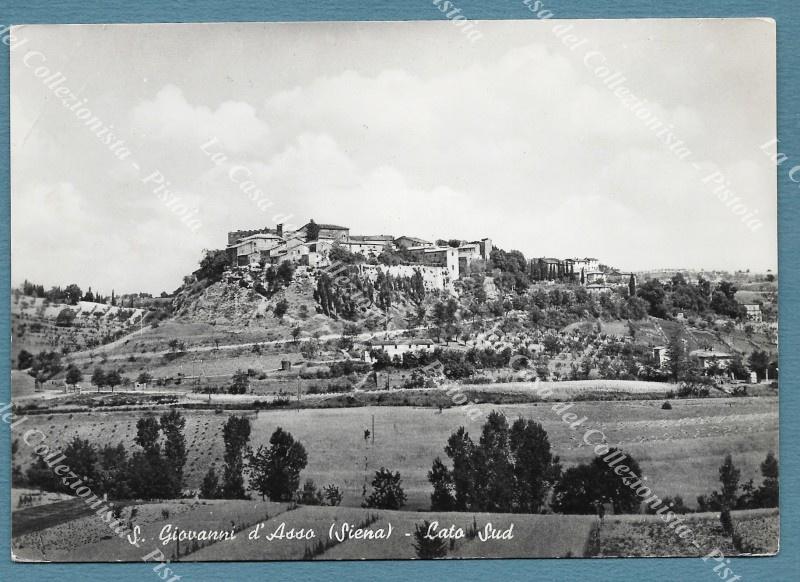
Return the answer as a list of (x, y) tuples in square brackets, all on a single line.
[(24, 360), (581, 486), (236, 434), (461, 451), (147, 433), (417, 291), (332, 494), (312, 231), (767, 495), (509, 470), (635, 308), (74, 375), (442, 498), (281, 307), (729, 478), (575, 492), (113, 477), (612, 488), (79, 455), (444, 317), (387, 492), (144, 378), (552, 344), (494, 481), (172, 425), (653, 292), (240, 382), (723, 300), (210, 488), (759, 362), (275, 472), (427, 548), (728, 497), (737, 368), (72, 294), (339, 254), (309, 494), (535, 468), (81, 458), (65, 317), (310, 348), (284, 273), (45, 365), (213, 265), (113, 378), (678, 363), (99, 378), (148, 474), (726, 521)]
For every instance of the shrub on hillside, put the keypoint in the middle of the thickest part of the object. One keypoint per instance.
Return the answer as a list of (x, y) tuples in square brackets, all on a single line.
[(387, 492), (425, 547)]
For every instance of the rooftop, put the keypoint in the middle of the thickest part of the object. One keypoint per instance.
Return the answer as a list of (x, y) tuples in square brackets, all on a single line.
[(329, 226), (366, 237)]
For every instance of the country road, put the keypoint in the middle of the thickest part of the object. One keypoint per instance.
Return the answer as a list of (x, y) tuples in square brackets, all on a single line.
[(87, 355)]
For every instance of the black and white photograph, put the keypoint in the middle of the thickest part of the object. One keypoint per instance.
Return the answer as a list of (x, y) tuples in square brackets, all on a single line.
[(412, 290)]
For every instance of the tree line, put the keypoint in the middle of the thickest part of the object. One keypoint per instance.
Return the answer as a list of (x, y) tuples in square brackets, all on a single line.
[(512, 469)]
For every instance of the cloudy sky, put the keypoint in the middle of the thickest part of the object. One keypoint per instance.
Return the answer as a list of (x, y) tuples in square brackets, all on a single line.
[(395, 128)]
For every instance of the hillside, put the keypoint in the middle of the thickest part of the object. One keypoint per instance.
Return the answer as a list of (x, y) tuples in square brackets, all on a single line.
[(38, 324)]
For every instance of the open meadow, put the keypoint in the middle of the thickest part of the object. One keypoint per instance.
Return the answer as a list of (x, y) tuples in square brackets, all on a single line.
[(679, 450)]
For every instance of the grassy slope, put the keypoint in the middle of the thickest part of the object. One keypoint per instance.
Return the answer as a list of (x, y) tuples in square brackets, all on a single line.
[(679, 449), (90, 539), (639, 535), (535, 536)]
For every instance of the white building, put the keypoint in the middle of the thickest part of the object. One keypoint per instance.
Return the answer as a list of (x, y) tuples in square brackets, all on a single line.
[(398, 347)]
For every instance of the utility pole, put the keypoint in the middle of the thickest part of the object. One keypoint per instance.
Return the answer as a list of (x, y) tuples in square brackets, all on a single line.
[(373, 429)]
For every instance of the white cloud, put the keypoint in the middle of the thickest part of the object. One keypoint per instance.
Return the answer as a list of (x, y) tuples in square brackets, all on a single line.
[(516, 140)]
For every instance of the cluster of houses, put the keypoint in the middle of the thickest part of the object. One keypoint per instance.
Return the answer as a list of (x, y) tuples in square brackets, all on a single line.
[(311, 245), (586, 271)]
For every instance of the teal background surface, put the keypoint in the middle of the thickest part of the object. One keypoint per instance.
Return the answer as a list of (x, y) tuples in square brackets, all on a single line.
[(784, 567)]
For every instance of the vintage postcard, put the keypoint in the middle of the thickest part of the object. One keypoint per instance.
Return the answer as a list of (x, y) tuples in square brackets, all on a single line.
[(394, 290)]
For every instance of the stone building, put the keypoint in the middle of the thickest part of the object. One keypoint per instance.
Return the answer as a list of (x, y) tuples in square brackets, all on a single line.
[(437, 257)]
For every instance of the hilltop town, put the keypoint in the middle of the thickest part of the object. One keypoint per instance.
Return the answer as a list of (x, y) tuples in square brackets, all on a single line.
[(402, 295), (371, 337), (319, 245)]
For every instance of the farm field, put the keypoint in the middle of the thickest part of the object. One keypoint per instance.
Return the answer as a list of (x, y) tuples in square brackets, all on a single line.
[(534, 536), (679, 450), (641, 535), (571, 389), (89, 538)]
